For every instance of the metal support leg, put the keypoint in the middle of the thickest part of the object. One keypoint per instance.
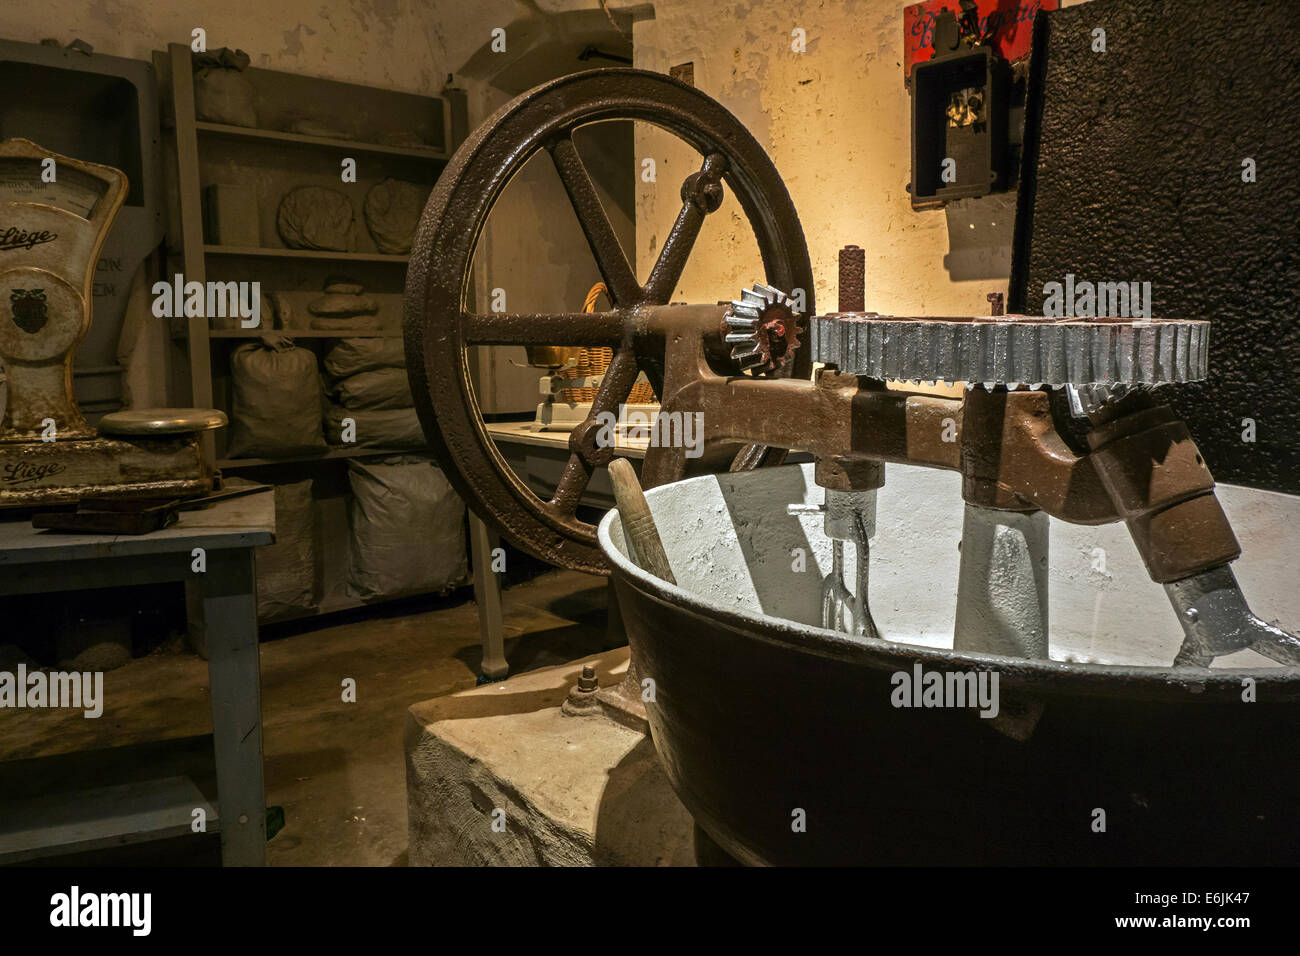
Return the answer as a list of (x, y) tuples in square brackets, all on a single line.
[(229, 600), (615, 631), (1002, 585), (849, 516), (487, 594)]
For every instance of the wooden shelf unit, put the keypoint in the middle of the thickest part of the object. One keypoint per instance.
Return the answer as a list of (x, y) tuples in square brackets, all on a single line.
[(274, 161)]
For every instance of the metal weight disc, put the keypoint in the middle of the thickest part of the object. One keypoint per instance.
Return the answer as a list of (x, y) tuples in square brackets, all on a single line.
[(438, 330), (161, 421)]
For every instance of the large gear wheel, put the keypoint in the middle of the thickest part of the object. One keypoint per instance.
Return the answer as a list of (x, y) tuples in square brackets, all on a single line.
[(763, 330), (1014, 349)]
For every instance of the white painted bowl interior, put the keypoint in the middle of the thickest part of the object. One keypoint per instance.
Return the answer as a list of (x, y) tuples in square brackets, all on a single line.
[(732, 544)]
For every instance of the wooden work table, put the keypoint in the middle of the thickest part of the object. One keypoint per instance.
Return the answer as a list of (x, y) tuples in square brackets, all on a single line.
[(225, 611)]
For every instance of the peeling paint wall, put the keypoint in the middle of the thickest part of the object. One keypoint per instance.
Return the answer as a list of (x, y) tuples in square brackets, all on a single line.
[(389, 43), (835, 119)]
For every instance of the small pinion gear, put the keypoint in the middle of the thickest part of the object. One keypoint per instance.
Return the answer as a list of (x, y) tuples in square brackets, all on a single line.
[(763, 330)]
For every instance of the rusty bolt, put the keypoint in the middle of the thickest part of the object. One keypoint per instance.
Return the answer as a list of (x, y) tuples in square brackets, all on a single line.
[(581, 700), (853, 278), (996, 303), (702, 190), (584, 442)]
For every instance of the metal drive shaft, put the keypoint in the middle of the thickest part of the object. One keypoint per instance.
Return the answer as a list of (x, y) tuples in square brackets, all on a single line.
[(850, 518)]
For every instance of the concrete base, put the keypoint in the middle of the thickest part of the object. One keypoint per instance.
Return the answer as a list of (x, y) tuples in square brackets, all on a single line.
[(498, 776)]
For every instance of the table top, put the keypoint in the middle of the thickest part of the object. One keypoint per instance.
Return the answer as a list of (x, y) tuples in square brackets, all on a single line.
[(524, 433), (246, 522)]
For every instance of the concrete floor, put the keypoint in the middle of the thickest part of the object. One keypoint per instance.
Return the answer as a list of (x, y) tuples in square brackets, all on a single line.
[(336, 768)]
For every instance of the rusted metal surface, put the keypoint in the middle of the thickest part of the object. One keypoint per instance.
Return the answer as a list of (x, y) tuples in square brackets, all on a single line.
[(52, 472), (762, 329), (853, 279), (849, 473), (1164, 492), (1012, 458), (438, 329)]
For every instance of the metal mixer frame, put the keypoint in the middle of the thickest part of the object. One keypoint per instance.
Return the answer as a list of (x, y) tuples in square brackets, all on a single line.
[(1142, 466)]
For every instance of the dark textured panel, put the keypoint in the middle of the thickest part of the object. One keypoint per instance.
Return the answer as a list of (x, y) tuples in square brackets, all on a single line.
[(1135, 174)]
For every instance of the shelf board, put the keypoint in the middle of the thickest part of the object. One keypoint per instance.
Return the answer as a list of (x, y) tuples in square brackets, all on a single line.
[(223, 131), (101, 818), (231, 464), (305, 333), (251, 252)]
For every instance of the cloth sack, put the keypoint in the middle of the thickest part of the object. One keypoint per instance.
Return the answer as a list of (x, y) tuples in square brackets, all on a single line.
[(407, 529), (378, 388), (286, 570), (351, 356), (275, 408), (397, 428), (222, 94)]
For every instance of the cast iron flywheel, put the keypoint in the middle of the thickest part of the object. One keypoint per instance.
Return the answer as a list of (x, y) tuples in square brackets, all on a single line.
[(438, 328)]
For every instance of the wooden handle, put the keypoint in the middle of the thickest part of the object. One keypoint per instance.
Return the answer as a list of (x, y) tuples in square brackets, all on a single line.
[(639, 530)]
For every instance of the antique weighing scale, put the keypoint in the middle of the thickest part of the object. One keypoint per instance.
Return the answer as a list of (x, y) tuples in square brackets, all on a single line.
[(55, 213)]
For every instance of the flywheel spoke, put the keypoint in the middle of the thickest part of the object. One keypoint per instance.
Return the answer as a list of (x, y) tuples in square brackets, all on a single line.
[(569, 489), (589, 443), (598, 329), (701, 195), (610, 258)]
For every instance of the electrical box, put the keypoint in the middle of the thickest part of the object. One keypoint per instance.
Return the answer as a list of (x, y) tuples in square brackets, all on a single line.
[(965, 67)]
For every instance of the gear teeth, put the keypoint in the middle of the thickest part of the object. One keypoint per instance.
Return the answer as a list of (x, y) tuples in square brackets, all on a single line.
[(747, 328), (1020, 350)]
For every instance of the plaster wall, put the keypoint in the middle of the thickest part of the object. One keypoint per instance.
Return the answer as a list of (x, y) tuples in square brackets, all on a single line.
[(396, 44), (835, 120)]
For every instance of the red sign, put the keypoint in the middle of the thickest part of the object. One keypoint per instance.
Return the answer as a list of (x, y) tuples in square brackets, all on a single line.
[(1010, 21)]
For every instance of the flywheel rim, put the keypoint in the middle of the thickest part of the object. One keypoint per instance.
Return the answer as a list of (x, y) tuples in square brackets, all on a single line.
[(448, 234)]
